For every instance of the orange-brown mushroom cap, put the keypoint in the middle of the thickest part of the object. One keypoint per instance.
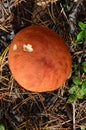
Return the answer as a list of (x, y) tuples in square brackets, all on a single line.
[(47, 64)]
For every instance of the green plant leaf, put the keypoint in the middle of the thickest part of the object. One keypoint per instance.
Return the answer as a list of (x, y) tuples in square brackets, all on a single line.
[(80, 94), (71, 98), (82, 25), (84, 66), (85, 32), (84, 87), (2, 127), (81, 35), (82, 91), (76, 81), (73, 89)]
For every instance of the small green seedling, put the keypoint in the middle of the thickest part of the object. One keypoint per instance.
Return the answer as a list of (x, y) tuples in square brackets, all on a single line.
[(78, 89), (78, 86), (82, 34)]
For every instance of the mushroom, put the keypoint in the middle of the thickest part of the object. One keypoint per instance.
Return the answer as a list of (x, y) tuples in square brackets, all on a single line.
[(39, 59)]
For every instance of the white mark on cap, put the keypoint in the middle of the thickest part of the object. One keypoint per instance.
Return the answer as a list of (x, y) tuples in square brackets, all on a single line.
[(28, 48), (14, 47)]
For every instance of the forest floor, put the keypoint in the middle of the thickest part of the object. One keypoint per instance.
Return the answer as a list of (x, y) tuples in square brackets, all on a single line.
[(64, 108)]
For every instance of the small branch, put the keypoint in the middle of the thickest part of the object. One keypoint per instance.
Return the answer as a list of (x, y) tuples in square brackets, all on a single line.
[(74, 110), (73, 16)]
